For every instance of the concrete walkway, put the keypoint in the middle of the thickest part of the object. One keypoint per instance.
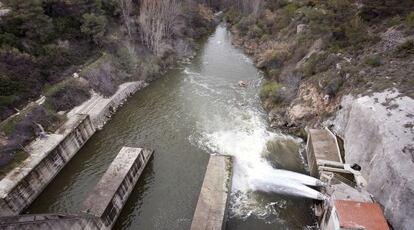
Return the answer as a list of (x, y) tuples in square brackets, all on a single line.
[(212, 203)]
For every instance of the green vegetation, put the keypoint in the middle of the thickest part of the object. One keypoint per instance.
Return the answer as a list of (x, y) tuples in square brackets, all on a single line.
[(407, 48), (269, 89), (373, 61), (409, 20), (64, 49), (19, 157)]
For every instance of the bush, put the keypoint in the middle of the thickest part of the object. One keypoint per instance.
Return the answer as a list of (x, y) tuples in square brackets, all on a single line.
[(94, 26), (244, 24), (274, 57), (409, 20), (269, 89), (406, 48), (317, 63), (255, 32), (333, 86), (373, 61), (72, 94)]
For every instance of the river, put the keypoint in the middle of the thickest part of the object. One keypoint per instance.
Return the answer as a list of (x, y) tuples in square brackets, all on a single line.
[(194, 110)]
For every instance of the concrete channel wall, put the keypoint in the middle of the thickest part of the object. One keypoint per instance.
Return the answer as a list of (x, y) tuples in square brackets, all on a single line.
[(49, 222), (104, 203), (49, 155), (211, 210), (109, 196)]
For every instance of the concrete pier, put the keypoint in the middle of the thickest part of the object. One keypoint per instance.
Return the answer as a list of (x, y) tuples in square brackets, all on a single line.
[(104, 203), (211, 210), (107, 199), (47, 157)]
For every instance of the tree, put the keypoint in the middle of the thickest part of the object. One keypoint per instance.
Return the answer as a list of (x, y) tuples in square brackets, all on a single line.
[(94, 26), (27, 19), (126, 7), (156, 21)]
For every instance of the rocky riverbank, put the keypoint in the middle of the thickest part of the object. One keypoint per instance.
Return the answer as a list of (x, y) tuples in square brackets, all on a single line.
[(358, 82)]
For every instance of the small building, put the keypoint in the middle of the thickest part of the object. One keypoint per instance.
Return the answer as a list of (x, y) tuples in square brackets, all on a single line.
[(350, 206)]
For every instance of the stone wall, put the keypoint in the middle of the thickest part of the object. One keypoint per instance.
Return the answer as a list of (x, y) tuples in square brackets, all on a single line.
[(379, 136)]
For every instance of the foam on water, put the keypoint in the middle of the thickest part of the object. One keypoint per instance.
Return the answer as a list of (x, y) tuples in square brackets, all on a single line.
[(244, 136)]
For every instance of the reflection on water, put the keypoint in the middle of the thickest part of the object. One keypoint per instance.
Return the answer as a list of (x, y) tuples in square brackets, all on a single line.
[(193, 111)]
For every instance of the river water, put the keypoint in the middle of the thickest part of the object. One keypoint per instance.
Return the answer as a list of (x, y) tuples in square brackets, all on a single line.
[(195, 110)]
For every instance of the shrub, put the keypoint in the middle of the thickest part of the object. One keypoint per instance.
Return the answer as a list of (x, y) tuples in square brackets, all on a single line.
[(333, 86), (94, 26), (406, 48), (318, 62), (255, 32), (373, 61), (244, 24), (71, 94), (275, 56), (269, 89), (409, 20)]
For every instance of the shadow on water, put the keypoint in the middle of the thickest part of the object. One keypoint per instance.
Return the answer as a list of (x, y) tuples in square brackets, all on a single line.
[(135, 200)]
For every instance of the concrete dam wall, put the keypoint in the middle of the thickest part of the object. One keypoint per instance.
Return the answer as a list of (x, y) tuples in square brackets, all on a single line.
[(49, 155)]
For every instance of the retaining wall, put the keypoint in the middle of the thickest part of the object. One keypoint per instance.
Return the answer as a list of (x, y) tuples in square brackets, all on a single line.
[(47, 157)]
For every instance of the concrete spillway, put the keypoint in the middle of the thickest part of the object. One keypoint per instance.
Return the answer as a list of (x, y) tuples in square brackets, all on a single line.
[(104, 203), (211, 207)]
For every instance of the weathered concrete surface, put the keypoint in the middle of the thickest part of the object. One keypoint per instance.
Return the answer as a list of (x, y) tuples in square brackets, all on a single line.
[(100, 109), (379, 136), (211, 207), (112, 191), (50, 222), (321, 145), (47, 157)]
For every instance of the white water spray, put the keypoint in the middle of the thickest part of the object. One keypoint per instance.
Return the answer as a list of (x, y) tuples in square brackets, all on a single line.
[(245, 139), (230, 122)]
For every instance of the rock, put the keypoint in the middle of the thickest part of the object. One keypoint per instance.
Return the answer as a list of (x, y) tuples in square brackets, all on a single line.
[(326, 98), (299, 111), (276, 118), (301, 28), (379, 140), (242, 84)]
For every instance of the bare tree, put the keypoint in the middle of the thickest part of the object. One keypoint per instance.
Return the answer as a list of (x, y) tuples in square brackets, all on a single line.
[(157, 18), (126, 7)]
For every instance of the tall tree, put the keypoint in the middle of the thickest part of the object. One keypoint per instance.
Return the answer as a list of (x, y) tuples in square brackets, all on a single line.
[(156, 21), (126, 8), (27, 19)]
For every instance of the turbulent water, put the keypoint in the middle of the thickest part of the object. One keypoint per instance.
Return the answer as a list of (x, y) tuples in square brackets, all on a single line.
[(196, 110)]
